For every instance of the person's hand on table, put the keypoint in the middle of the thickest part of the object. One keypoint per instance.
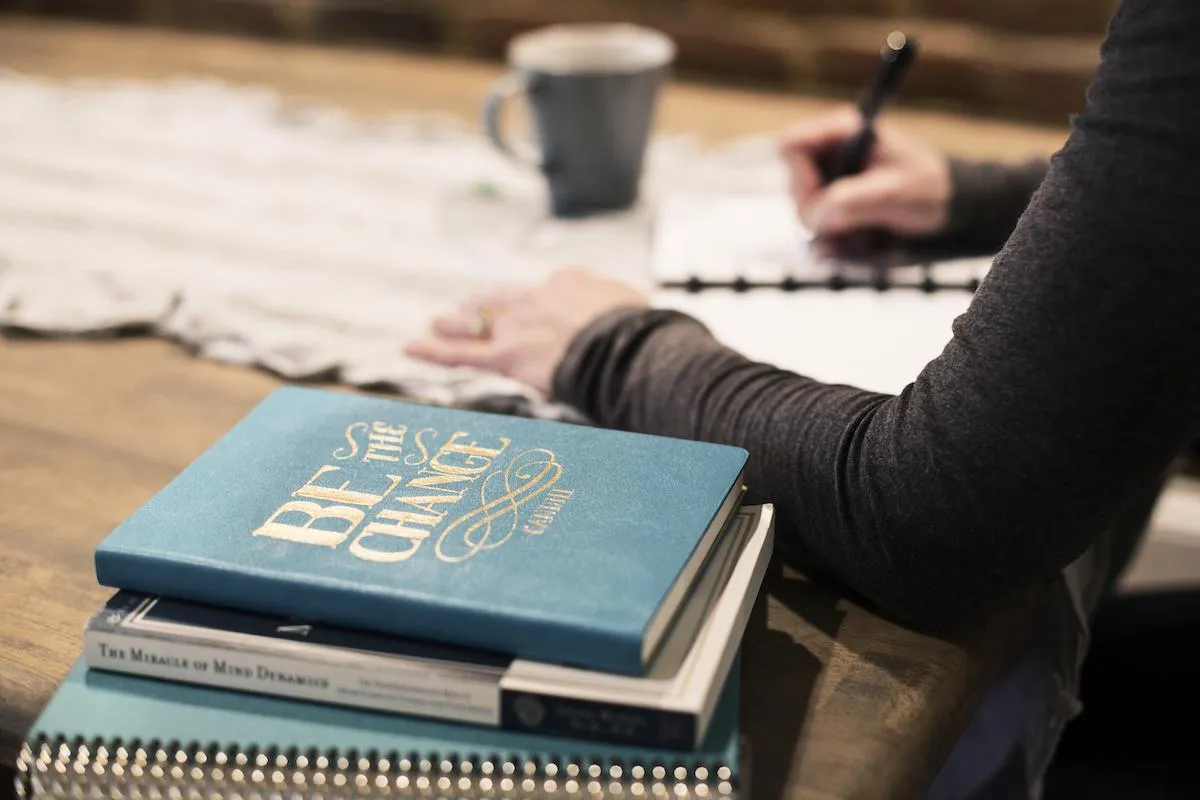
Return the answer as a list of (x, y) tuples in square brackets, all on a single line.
[(905, 188), (523, 332)]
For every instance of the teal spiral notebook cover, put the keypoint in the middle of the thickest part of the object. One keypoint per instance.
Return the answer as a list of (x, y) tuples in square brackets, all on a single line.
[(105, 731), (544, 540)]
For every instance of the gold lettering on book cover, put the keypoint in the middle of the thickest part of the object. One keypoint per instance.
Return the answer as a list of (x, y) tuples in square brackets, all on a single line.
[(338, 503), (417, 459), (542, 516), (352, 446), (304, 533), (397, 534), (385, 442), (377, 441), (465, 458), (343, 493), (495, 520)]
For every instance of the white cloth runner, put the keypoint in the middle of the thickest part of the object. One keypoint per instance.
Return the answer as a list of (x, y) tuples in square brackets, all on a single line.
[(304, 240)]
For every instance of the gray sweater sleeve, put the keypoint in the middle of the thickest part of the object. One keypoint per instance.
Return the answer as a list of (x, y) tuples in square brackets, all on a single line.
[(1066, 391), (986, 201)]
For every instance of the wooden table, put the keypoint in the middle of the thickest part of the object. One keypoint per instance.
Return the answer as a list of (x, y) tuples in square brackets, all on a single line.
[(839, 703)]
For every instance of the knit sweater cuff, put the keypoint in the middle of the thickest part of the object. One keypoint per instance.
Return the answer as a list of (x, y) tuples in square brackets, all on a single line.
[(986, 201)]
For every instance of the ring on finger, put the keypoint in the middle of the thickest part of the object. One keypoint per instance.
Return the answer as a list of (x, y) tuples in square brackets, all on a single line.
[(482, 323)]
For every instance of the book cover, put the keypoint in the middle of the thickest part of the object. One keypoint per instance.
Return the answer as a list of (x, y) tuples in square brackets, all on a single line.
[(670, 707), (104, 731), (544, 540)]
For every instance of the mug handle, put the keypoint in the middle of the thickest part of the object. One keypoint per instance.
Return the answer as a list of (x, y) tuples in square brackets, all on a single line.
[(506, 88)]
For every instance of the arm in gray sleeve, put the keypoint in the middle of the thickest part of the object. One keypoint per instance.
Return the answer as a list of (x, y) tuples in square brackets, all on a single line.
[(987, 198), (1068, 388)]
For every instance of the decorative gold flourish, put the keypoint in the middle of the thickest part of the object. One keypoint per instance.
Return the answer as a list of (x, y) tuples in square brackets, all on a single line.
[(493, 523), (414, 460), (351, 448)]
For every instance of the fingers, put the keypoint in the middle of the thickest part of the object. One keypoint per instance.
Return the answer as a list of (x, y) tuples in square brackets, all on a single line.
[(479, 353), (870, 199), (495, 299), (803, 145), (459, 324), (457, 339), (806, 192), (819, 133), (804, 182), (465, 321)]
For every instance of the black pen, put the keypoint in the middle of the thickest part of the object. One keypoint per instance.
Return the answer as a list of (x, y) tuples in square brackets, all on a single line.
[(897, 54)]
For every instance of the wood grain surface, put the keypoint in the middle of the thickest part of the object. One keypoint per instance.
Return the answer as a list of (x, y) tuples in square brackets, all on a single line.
[(839, 703)]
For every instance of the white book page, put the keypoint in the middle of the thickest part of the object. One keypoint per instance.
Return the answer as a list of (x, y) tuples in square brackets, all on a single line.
[(695, 682)]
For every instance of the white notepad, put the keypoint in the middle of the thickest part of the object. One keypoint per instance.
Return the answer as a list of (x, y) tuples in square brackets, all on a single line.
[(720, 236), (712, 236), (878, 340), (874, 340)]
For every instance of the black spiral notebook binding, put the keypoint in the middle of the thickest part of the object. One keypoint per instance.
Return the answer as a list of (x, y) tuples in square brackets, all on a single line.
[(881, 271), (923, 277)]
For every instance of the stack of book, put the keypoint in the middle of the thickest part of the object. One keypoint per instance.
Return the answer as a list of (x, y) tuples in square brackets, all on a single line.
[(349, 595)]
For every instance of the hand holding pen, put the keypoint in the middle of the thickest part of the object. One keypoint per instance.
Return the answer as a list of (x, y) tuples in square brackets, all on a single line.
[(850, 172), (850, 157)]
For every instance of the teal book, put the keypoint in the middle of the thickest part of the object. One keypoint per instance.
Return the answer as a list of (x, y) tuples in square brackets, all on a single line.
[(110, 735), (544, 540)]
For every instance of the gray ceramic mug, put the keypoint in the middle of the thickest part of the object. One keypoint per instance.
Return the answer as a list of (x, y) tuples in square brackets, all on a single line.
[(591, 91)]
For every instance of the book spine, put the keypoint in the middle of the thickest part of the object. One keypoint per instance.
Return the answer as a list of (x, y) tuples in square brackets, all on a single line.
[(637, 726), (416, 690)]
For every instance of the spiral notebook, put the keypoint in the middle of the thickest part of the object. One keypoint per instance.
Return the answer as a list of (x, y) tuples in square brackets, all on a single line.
[(729, 259), (115, 736), (752, 240)]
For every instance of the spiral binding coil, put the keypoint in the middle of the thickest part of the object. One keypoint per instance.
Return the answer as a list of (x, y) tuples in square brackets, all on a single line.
[(157, 771), (835, 283), (882, 274)]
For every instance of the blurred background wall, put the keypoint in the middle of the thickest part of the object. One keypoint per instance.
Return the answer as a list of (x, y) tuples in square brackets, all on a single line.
[(1020, 59)]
